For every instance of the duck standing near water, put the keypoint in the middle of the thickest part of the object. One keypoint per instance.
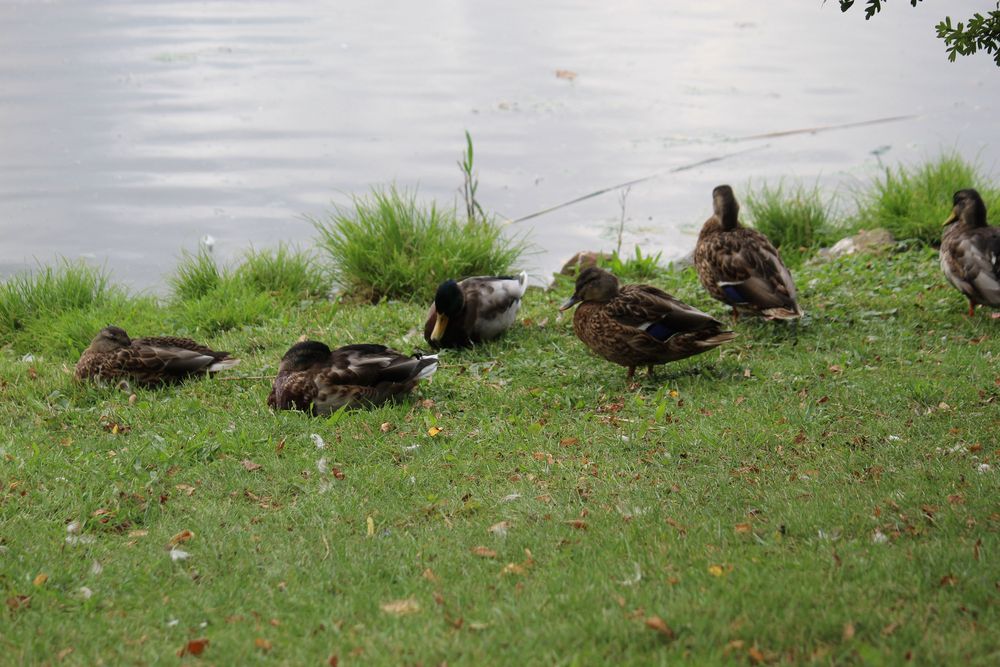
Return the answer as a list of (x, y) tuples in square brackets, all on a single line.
[(740, 267), (639, 325), (970, 252), (473, 310)]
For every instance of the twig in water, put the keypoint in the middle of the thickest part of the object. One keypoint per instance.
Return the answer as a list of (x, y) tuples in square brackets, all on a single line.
[(622, 198)]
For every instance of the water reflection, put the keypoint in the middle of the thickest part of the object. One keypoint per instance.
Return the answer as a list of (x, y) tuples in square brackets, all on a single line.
[(132, 129)]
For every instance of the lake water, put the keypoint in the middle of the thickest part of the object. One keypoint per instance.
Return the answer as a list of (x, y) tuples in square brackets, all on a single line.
[(129, 130)]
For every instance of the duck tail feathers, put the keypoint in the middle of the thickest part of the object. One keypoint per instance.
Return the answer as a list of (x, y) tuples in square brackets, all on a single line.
[(223, 364), (426, 367)]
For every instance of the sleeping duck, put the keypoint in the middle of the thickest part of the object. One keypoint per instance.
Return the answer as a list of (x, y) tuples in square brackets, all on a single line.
[(315, 379), (147, 362), (639, 325), (473, 310), (739, 266), (970, 251)]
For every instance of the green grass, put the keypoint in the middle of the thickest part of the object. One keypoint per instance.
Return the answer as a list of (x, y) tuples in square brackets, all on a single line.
[(196, 275), (796, 219), (913, 202), (283, 272), (388, 245), (741, 497)]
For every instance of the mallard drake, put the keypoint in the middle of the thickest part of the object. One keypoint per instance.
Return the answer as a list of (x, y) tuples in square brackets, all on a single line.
[(639, 325), (739, 266), (970, 251), (473, 310), (313, 378), (148, 362)]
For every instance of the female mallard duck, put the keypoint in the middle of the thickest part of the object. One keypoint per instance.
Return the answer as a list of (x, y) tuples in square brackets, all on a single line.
[(970, 251), (315, 379), (473, 310), (739, 266), (638, 325), (148, 362)]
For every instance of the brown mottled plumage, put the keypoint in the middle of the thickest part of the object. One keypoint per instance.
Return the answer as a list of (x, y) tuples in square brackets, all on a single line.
[(739, 266), (970, 251), (314, 379), (113, 356), (473, 310), (639, 325)]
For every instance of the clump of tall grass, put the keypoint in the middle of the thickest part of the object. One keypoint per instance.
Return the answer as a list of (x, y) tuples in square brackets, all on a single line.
[(635, 268), (387, 245), (283, 272), (49, 292), (796, 219), (912, 202), (196, 275)]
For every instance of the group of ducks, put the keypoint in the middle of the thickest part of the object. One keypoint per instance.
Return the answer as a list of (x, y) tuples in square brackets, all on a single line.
[(630, 325)]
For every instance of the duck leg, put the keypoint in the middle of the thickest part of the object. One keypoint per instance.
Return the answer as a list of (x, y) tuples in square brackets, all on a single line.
[(972, 308), (630, 374), (651, 371)]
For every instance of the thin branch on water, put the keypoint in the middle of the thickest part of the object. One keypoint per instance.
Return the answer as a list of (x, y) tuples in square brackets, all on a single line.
[(622, 198)]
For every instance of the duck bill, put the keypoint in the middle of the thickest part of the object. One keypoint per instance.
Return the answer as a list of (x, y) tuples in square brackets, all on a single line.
[(570, 302), (439, 326), (951, 218)]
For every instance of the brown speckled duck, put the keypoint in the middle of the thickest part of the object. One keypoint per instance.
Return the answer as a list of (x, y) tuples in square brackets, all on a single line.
[(315, 379), (147, 362), (473, 310), (739, 266), (639, 325), (970, 251)]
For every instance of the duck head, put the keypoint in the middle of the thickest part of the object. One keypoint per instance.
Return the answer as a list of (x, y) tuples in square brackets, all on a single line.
[(448, 303), (725, 206), (304, 355), (109, 339), (969, 209), (593, 284)]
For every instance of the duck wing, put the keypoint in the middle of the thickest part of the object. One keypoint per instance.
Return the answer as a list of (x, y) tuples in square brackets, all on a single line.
[(748, 271), (491, 303), (657, 313), (174, 345), (152, 356), (972, 264)]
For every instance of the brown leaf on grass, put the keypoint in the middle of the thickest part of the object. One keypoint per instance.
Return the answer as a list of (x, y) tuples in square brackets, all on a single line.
[(429, 575), (250, 466), (18, 602), (401, 607), (186, 488), (280, 446), (63, 653), (500, 529), (543, 456), (675, 525), (41, 579), (138, 533), (484, 552), (948, 580), (848, 633), (337, 473), (742, 528), (658, 624), (579, 524), (956, 499), (194, 647), (333, 661), (179, 538), (756, 655), (433, 431), (385, 427), (262, 644), (569, 442), (835, 369), (891, 628)]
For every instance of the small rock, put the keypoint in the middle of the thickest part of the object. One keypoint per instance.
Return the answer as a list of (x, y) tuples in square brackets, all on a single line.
[(867, 240)]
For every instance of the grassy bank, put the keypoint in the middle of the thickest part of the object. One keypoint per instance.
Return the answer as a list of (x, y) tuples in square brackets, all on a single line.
[(799, 495)]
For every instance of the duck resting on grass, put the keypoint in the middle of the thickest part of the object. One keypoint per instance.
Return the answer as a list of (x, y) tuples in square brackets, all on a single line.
[(739, 266), (473, 310), (148, 362), (970, 252), (639, 325), (315, 379)]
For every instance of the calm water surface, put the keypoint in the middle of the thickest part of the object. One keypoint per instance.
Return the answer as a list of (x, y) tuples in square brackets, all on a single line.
[(131, 129)]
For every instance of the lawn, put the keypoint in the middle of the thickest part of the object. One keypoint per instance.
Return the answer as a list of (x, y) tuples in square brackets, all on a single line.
[(826, 492)]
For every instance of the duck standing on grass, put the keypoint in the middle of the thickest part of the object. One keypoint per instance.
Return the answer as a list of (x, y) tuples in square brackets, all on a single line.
[(639, 325), (970, 252), (473, 310), (148, 362), (739, 266), (315, 379)]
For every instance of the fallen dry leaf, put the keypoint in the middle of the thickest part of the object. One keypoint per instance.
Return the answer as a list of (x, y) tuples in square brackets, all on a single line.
[(716, 570), (262, 644), (250, 466), (756, 656), (742, 527), (194, 647), (433, 431), (848, 633), (484, 552), (385, 427), (370, 525), (579, 524), (41, 579), (429, 575), (180, 537), (500, 529), (401, 607), (658, 624), (66, 651), (569, 442), (18, 602), (186, 488), (948, 580)]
